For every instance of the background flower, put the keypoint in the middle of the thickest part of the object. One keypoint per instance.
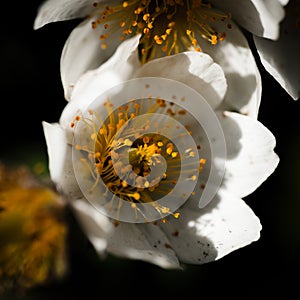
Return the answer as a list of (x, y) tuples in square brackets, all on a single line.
[(32, 231)]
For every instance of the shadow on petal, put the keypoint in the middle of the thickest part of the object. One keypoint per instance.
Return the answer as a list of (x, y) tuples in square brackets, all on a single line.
[(245, 13), (191, 245), (244, 87), (196, 70), (212, 176)]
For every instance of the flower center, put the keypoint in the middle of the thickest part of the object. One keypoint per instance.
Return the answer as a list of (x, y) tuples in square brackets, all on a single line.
[(136, 163), (167, 27)]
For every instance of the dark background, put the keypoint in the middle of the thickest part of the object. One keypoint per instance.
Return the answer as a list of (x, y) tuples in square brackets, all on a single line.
[(31, 92)]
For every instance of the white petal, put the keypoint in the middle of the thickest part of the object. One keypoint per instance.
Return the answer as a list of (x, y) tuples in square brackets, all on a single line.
[(250, 153), (60, 160), (281, 58), (144, 242), (262, 18), (243, 79), (283, 2), (197, 70), (60, 10), (82, 52), (97, 226), (203, 235), (117, 69)]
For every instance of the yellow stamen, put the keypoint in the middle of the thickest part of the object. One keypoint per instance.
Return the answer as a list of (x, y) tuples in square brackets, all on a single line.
[(167, 27), (103, 158)]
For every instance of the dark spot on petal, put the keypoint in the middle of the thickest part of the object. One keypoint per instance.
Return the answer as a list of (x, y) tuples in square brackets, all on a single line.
[(175, 233), (168, 246)]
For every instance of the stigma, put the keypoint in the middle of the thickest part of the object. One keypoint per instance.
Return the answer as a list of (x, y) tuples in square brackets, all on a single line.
[(133, 153), (166, 27)]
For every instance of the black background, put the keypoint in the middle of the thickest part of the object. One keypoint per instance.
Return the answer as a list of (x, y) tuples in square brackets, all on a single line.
[(31, 92)]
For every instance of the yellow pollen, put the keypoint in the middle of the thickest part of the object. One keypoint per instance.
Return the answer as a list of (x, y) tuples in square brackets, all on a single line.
[(146, 17), (202, 161), (97, 154), (214, 39), (136, 196), (192, 154), (103, 156), (127, 142), (158, 40), (194, 177), (168, 31), (147, 184), (146, 30), (176, 215), (174, 154), (167, 27), (165, 210)]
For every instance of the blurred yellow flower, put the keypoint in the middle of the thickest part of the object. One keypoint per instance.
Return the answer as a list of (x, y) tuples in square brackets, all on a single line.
[(32, 231)]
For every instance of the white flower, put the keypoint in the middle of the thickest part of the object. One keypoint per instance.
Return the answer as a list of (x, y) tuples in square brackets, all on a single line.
[(199, 235), (185, 25)]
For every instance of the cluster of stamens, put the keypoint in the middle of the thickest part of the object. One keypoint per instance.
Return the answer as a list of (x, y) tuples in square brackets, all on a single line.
[(167, 27), (114, 139)]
